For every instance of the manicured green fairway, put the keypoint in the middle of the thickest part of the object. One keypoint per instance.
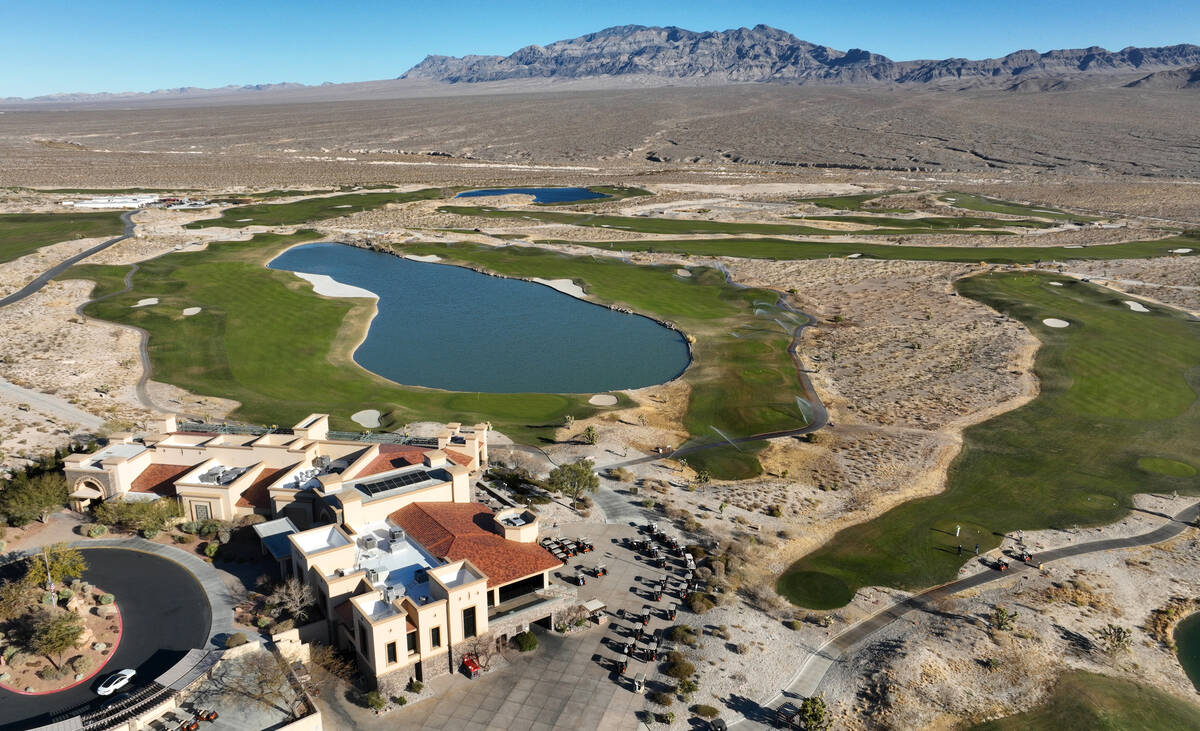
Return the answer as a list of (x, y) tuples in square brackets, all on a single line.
[(310, 209), (1116, 386), (264, 339), (1095, 702), (851, 203), (24, 233), (649, 225), (972, 202), (782, 249)]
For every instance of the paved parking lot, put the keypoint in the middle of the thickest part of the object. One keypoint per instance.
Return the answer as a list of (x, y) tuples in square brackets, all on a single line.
[(569, 682)]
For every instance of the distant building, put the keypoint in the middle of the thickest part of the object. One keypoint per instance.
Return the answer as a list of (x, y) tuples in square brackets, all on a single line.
[(115, 201)]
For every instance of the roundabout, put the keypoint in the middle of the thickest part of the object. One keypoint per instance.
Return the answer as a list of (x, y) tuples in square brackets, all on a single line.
[(159, 625)]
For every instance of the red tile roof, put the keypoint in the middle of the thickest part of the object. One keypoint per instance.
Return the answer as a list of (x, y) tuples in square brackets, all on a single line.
[(395, 456), (159, 479), (456, 531), (256, 495)]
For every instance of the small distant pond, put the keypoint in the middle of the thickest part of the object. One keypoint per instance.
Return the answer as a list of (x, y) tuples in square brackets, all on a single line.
[(452, 328), (540, 195), (1187, 643)]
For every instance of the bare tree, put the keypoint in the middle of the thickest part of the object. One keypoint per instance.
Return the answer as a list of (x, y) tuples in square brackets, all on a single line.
[(294, 597), (482, 647), (259, 677)]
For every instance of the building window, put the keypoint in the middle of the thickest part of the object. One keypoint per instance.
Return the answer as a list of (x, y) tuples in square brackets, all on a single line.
[(469, 622), (435, 637), (412, 642), (362, 640), (201, 511), (391, 652)]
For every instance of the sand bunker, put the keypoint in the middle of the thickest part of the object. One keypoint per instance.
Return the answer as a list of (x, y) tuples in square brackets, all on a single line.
[(1136, 306), (853, 256), (1181, 251), (345, 205), (1056, 284), (426, 258), (603, 399), (367, 417), (683, 273), (146, 302), (330, 287), (244, 220), (191, 311), (566, 286), (1055, 322)]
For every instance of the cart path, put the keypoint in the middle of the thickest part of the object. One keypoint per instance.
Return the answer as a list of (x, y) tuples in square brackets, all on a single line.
[(812, 673), (44, 278)]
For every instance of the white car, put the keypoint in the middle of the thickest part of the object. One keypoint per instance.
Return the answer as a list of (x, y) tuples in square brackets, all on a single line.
[(116, 681)]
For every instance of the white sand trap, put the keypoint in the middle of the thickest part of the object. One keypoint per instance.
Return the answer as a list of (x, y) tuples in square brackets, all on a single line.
[(1075, 246), (566, 286), (345, 205), (683, 272), (330, 287), (1056, 284), (1055, 322), (367, 417), (146, 302), (426, 258), (853, 256), (1136, 306), (603, 399), (191, 311), (244, 220), (1181, 251)]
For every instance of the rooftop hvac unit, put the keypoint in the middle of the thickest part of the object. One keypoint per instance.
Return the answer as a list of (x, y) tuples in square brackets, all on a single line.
[(372, 576), (321, 462), (396, 534), (420, 576), (368, 543), (340, 572)]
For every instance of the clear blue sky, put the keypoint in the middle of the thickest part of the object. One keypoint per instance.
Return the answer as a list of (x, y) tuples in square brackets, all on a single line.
[(51, 46)]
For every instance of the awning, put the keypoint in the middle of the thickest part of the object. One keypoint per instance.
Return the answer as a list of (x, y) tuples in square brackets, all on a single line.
[(83, 492), (593, 606)]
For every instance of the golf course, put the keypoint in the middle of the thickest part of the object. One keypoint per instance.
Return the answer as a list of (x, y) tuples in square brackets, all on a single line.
[(1117, 414), (24, 233), (265, 340), (309, 209)]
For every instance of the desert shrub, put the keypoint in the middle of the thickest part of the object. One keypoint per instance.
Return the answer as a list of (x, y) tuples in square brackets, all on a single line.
[(741, 648), (674, 656), (526, 641), (284, 626), (792, 624), (237, 639), (376, 700), (415, 686), (211, 548), (704, 711), (661, 698), (65, 594), (9, 653), (149, 533), (399, 700), (680, 670), (191, 526), (774, 511), (699, 603), (262, 622), (107, 599), (80, 664), (95, 530), (682, 634), (687, 687), (183, 538), (697, 551), (50, 673)]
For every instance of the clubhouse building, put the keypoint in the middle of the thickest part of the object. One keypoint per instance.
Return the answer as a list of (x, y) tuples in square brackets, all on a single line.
[(406, 568)]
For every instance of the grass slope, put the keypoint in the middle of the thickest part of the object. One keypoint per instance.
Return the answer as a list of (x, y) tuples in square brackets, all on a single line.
[(851, 203), (1084, 700), (940, 224), (972, 202), (264, 339), (310, 209), (24, 233), (1116, 386), (782, 249)]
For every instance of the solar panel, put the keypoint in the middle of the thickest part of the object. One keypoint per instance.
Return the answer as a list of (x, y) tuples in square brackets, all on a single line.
[(391, 483)]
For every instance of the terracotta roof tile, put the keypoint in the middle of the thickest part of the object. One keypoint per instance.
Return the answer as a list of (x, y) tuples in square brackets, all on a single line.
[(458, 457), (456, 531), (159, 479), (393, 456), (257, 495)]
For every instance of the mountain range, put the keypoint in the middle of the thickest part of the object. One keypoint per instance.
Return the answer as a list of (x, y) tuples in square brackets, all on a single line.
[(765, 54)]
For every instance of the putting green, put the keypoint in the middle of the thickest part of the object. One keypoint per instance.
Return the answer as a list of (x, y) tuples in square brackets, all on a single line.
[(1118, 386), (1168, 467)]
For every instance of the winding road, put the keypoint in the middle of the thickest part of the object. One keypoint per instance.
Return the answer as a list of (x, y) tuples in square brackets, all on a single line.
[(44, 278), (817, 665)]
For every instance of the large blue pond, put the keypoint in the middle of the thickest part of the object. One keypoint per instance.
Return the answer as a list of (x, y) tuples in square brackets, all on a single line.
[(540, 195), (452, 328)]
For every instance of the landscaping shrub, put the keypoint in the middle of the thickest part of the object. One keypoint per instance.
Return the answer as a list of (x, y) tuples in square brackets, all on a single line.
[(680, 670), (50, 673), (661, 698), (191, 526), (107, 599), (705, 711), (283, 626), (80, 664), (699, 603), (95, 530), (682, 634), (793, 624), (415, 686), (183, 538), (237, 639), (526, 641), (376, 700), (399, 700), (65, 594), (149, 533), (262, 622), (211, 548), (698, 552), (741, 648), (674, 656)]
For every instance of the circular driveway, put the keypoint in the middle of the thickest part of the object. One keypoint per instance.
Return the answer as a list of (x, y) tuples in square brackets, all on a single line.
[(165, 613)]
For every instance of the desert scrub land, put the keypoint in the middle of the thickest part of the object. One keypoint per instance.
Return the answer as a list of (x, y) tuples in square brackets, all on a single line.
[(24, 233), (1116, 387), (309, 209)]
